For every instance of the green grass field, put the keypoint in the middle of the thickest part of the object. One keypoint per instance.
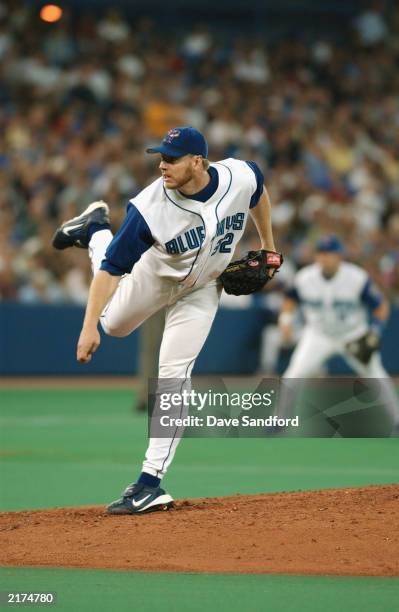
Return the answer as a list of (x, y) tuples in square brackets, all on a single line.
[(67, 447)]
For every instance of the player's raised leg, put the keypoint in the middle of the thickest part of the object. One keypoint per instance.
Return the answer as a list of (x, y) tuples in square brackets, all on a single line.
[(138, 295)]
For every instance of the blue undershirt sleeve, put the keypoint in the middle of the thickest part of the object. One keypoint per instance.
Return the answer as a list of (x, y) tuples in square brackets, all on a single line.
[(132, 240), (260, 180), (371, 296)]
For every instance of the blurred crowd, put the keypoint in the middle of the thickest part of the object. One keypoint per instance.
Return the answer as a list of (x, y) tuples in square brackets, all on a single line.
[(81, 99)]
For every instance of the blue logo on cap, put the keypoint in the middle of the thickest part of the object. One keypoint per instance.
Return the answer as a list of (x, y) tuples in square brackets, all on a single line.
[(170, 135)]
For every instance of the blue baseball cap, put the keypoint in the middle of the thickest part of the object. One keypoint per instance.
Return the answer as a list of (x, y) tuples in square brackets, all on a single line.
[(182, 141), (329, 244)]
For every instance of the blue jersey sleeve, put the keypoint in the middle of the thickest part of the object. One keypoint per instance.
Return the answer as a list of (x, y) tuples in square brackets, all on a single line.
[(260, 180), (132, 240), (371, 296)]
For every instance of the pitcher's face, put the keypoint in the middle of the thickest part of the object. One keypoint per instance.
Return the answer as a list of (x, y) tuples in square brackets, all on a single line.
[(177, 171)]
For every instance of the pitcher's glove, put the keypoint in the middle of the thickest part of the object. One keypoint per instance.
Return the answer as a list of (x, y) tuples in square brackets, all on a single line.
[(362, 348), (251, 273)]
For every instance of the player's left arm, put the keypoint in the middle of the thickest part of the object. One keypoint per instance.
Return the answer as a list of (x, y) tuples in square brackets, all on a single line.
[(377, 305), (260, 209), (261, 216), (381, 313), (364, 347)]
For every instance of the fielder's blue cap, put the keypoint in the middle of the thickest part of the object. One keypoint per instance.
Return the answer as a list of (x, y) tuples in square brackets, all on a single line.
[(329, 244), (182, 141)]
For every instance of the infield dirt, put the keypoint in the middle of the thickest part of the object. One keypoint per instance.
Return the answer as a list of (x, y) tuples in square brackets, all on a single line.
[(351, 531)]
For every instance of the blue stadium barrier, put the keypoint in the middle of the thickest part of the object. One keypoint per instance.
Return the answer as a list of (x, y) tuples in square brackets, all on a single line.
[(41, 340)]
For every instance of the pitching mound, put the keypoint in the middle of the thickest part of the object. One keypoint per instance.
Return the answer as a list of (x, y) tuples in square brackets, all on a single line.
[(343, 532)]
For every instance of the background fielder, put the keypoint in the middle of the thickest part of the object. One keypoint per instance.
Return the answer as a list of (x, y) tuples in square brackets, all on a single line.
[(178, 236), (344, 314)]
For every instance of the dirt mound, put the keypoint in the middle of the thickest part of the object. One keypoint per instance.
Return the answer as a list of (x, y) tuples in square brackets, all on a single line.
[(341, 532)]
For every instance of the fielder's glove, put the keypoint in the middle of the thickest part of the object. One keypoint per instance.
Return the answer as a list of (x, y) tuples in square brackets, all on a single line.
[(251, 273), (363, 348)]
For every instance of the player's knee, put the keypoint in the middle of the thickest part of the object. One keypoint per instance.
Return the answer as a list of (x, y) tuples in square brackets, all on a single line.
[(118, 333), (113, 330)]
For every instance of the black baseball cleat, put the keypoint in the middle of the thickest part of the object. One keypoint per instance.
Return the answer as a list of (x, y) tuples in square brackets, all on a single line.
[(138, 498), (75, 232)]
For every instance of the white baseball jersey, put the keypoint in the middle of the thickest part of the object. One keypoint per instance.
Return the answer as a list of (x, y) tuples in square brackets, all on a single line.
[(339, 306), (184, 239)]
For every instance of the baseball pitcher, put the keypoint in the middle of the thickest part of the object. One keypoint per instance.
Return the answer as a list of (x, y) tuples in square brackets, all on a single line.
[(176, 241)]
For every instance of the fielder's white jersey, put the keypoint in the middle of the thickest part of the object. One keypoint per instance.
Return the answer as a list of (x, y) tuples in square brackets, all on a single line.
[(186, 240), (338, 307)]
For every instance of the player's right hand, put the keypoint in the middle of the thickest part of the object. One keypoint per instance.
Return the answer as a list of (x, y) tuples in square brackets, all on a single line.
[(88, 343), (285, 323)]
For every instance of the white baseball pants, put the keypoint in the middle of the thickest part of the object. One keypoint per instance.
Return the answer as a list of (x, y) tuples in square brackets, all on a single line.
[(188, 320)]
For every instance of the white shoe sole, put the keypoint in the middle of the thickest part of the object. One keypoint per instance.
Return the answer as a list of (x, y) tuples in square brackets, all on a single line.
[(162, 500), (89, 209)]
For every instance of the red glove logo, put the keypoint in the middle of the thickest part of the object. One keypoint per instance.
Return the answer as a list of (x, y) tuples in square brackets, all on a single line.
[(273, 259)]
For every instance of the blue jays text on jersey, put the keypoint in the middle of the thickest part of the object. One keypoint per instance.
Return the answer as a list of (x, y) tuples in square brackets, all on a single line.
[(193, 238)]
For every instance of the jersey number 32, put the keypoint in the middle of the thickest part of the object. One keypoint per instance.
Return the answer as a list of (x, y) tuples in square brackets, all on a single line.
[(223, 244)]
